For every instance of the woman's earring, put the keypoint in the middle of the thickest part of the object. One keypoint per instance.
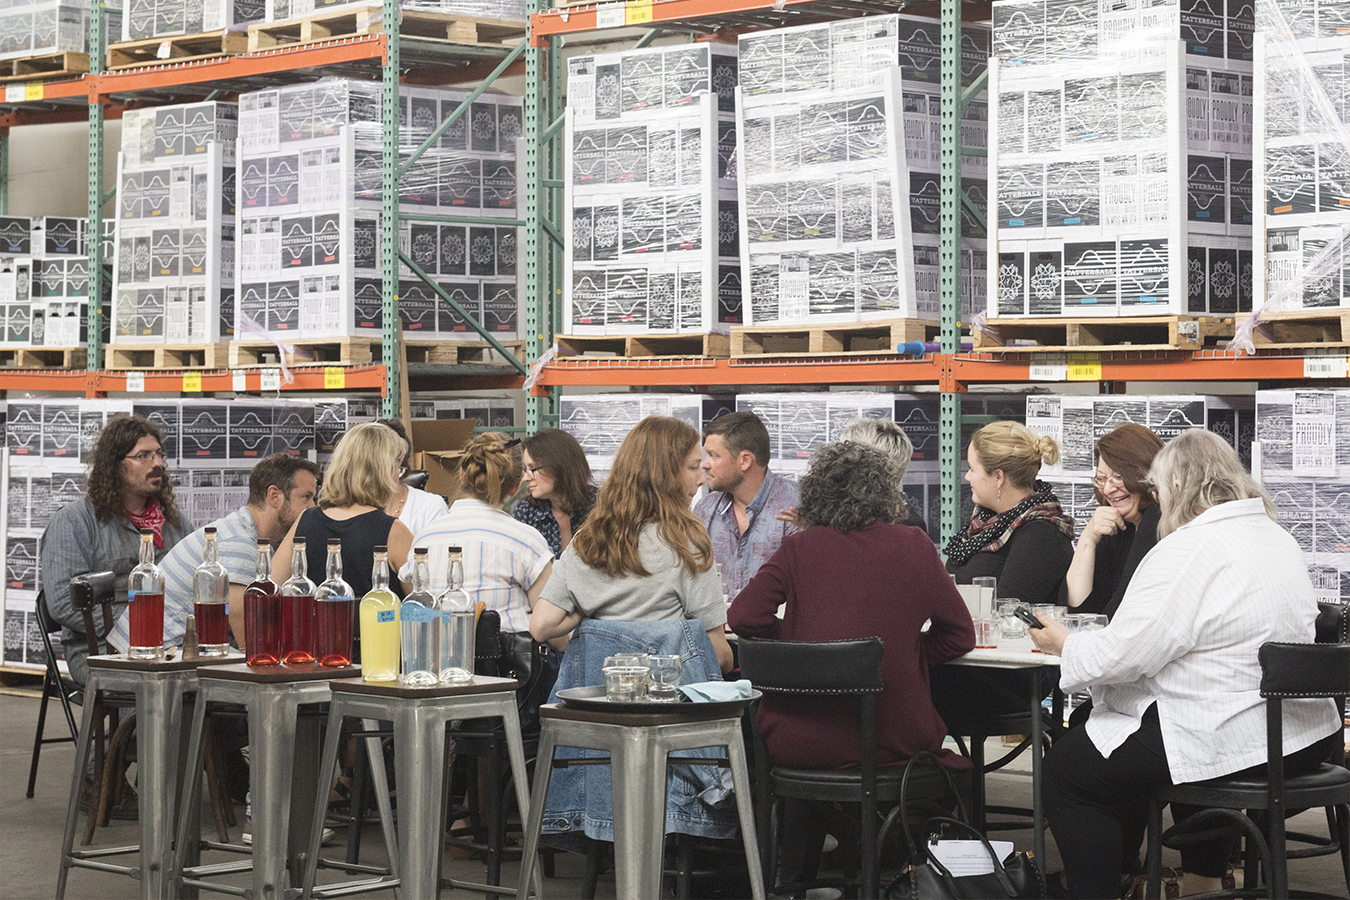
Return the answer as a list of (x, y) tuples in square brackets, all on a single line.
[(999, 498)]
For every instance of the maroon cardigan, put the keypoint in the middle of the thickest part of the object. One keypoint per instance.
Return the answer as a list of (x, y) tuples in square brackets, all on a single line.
[(880, 581)]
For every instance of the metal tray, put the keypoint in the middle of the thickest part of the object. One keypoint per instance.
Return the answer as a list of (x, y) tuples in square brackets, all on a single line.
[(592, 699)]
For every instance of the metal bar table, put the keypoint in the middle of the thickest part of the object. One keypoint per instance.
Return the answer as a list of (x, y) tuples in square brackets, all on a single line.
[(272, 696), (159, 687), (421, 716)]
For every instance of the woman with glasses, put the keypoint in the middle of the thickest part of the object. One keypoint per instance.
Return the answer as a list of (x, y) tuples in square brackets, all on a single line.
[(561, 494), (1018, 534), (1124, 527)]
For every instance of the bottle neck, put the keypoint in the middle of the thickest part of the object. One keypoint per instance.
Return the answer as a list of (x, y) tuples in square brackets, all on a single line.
[(421, 575), (334, 569), (456, 577), (263, 570), (147, 552), (211, 552), (299, 563), (379, 575)]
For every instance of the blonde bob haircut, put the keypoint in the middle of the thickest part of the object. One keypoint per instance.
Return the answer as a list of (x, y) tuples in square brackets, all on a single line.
[(1197, 471), (1016, 449), (644, 487), (362, 469)]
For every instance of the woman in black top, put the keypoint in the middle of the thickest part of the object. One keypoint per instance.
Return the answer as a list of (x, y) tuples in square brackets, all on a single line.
[(1019, 534), (1124, 527), (558, 479), (356, 488)]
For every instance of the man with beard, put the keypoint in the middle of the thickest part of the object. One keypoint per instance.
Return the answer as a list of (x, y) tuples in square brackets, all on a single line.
[(127, 489), (747, 509), (280, 487)]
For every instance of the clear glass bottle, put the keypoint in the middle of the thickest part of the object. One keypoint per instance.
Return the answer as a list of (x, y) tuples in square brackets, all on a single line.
[(145, 592), (297, 610), (420, 623), (334, 611), (211, 599), (379, 624), (457, 611), (262, 613)]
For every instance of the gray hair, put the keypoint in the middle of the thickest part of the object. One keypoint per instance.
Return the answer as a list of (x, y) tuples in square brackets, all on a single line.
[(850, 486), (1197, 471), (884, 435)]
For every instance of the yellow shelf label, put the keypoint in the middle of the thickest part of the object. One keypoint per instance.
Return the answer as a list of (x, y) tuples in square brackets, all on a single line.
[(1084, 367), (334, 378), (32, 91), (192, 382), (639, 12)]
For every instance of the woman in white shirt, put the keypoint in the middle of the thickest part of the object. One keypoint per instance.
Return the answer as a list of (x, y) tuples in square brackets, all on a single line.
[(1174, 677), (413, 507)]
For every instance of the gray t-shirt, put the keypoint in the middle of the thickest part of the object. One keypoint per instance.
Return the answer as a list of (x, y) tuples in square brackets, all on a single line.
[(669, 593)]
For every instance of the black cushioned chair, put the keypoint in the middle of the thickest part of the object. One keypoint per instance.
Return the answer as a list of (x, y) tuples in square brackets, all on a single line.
[(1288, 671), (847, 670)]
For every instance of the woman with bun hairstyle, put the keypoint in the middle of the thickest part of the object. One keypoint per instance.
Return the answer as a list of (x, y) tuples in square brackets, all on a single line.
[(506, 562), (1019, 534)]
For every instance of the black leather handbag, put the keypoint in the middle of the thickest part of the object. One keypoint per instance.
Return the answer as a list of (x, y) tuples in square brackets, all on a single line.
[(928, 879), (518, 656)]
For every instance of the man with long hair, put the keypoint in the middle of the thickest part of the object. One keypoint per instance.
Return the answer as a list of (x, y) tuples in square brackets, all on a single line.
[(127, 489)]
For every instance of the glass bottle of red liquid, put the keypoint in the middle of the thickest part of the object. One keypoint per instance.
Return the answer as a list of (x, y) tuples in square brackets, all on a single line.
[(211, 600), (262, 614), (145, 591), (297, 611), (334, 608)]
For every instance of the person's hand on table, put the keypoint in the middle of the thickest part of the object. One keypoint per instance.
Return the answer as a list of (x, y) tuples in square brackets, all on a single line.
[(788, 515), (1049, 639)]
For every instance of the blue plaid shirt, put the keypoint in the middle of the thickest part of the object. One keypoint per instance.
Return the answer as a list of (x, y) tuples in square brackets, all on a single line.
[(740, 555)]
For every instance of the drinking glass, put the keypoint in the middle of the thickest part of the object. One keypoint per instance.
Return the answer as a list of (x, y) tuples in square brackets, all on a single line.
[(1091, 621), (984, 632), (989, 583), (625, 682), (1010, 627), (1052, 611), (664, 681)]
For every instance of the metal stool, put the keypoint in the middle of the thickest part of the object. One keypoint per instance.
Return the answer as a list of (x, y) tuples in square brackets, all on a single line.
[(159, 687), (421, 717), (278, 736), (639, 745)]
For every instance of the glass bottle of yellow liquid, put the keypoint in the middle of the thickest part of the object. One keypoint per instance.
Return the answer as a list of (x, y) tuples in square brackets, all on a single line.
[(379, 624)]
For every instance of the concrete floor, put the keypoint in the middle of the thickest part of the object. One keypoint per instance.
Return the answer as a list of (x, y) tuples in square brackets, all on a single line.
[(31, 830)]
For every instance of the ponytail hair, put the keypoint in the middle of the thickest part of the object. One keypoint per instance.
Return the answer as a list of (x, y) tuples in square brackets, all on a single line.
[(1015, 449), (490, 468)]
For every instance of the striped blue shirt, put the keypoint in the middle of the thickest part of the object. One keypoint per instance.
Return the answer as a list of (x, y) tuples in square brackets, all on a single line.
[(237, 540), (502, 558)]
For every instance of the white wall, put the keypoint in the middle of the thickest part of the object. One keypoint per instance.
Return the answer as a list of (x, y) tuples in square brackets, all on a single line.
[(48, 168)]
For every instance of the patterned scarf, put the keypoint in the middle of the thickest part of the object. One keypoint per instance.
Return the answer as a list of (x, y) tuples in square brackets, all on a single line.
[(988, 531), (152, 518)]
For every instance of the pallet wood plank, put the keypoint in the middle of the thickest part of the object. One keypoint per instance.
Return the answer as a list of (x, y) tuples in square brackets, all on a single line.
[(1054, 334), (43, 357), (1303, 328), (688, 344), (369, 20), (839, 339), (43, 66), (180, 48), (362, 351)]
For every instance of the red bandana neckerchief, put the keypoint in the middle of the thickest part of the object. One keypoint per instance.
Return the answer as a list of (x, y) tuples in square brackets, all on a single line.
[(152, 518)]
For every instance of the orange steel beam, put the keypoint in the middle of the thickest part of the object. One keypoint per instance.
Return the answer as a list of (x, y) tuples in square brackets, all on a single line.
[(547, 23), (101, 383), (1137, 366), (614, 372)]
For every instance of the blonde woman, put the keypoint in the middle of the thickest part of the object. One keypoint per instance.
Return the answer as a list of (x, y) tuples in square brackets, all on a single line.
[(356, 488), (641, 554), (1019, 534), (1175, 678)]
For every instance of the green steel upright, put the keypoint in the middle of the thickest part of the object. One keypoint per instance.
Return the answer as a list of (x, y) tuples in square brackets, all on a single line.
[(98, 31), (389, 121), (4, 171), (949, 283), (543, 91)]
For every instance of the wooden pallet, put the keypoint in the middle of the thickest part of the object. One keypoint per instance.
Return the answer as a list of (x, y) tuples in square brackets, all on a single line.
[(176, 49), (644, 345), (327, 26), (841, 339), (43, 357), (1303, 328), (166, 356), (358, 351), (47, 65), (1133, 333)]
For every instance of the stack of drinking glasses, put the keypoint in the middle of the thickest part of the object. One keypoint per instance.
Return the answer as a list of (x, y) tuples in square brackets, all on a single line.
[(633, 677)]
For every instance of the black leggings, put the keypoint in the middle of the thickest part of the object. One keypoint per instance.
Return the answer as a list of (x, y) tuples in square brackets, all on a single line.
[(1098, 807)]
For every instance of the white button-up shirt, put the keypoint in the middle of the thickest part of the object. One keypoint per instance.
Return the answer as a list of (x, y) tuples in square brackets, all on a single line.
[(1198, 608)]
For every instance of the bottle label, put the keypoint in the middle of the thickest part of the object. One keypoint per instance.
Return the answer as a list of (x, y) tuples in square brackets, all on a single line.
[(335, 598), (386, 615), (416, 612)]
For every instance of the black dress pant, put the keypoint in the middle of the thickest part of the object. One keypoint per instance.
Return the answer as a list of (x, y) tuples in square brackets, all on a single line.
[(1098, 807)]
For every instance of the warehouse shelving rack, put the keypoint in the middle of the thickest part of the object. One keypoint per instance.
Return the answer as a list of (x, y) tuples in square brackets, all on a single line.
[(388, 56)]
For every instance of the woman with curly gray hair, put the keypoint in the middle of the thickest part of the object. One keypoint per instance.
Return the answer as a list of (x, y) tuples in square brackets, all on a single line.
[(853, 573)]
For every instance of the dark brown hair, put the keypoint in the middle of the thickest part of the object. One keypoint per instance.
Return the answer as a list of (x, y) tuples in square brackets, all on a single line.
[(491, 469), (277, 470), (1129, 450), (559, 454), (741, 431), (118, 438)]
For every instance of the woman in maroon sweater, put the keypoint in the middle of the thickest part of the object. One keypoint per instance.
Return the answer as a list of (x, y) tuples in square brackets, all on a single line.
[(854, 573)]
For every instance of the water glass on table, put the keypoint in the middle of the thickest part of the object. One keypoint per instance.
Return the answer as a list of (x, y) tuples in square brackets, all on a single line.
[(1010, 627), (988, 586), (986, 632), (663, 682), (626, 676)]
